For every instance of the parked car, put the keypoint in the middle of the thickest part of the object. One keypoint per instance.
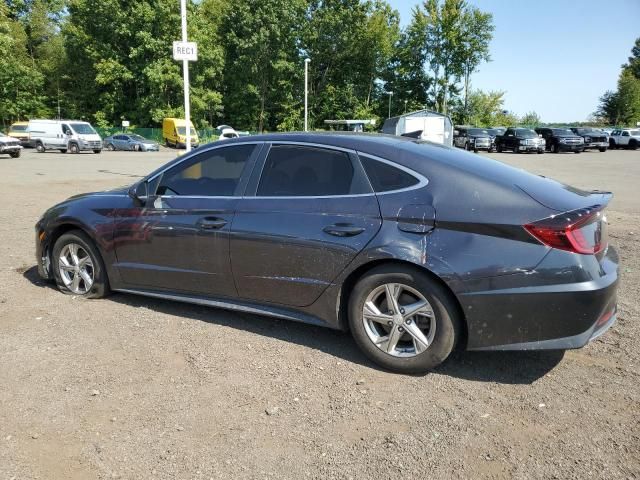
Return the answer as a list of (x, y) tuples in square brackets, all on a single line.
[(227, 132), (20, 130), (471, 138), (561, 140), (130, 141), (412, 247), (625, 138), (174, 133), (494, 132), (520, 140), (74, 136), (10, 146), (593, 138)]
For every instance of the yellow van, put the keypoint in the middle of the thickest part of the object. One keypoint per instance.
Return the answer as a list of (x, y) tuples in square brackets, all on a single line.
[(20, 131), (174, 133)]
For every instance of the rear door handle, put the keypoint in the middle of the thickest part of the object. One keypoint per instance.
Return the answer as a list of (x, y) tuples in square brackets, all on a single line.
[(211, 223), (343, 230)]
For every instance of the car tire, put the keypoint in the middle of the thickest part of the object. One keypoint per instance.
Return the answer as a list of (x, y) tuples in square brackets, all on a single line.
[(578, 151), (15, 154), (40, 147), (556, 148), (499, 148), (78, 241), (603, 149), (633, 145), (136, 148), (441, 329), (515, 149), (74, 148), (612, 144), (540, 152), (110, 147)]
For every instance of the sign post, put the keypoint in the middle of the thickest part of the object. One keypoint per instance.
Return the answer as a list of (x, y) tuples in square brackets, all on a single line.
[(187, 52)]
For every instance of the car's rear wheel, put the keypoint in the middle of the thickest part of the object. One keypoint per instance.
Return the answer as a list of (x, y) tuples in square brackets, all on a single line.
[(603, 149), (77, 266), (110, 147), (402, 319), (556, 148), (633, 145)]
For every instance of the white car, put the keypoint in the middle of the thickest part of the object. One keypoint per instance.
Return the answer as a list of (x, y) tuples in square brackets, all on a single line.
[(10, 146), (625, 138)]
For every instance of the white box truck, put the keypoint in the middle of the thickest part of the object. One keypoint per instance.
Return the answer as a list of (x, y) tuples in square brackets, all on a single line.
[(72, 136)]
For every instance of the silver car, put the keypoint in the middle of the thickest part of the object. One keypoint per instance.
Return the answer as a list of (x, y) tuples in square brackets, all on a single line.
[(128, 141)]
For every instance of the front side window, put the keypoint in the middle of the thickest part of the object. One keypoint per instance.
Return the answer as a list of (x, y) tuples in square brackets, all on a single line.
[(385, 177), (215, 173), (300, 171)]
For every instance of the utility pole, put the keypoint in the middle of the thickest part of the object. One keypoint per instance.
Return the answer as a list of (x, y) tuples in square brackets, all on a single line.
[(390, 95), (306, 93)]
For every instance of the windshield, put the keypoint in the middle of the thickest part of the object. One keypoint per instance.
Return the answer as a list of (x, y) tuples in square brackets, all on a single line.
[(582, 131), (18, 128), (478, 131), (183, 131), (83, 128), (563, 132), (497, 131), (526, 133)]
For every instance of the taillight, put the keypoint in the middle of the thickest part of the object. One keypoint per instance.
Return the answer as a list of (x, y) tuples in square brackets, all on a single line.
[(579, 231)]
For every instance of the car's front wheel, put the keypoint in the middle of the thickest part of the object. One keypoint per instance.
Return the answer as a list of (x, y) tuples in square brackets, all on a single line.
[(402, 319), (77, 266)]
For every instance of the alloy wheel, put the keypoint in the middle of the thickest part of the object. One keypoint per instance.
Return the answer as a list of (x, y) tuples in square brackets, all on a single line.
[(399, 320), (76, 268)]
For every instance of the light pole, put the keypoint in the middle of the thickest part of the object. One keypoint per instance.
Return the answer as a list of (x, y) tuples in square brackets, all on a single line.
[(390, 95), (185, 73), (306, 93), (405, 106)]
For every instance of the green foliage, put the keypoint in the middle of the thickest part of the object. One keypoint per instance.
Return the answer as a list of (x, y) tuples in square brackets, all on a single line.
[(530, 119), (622, 107), (107, 60)]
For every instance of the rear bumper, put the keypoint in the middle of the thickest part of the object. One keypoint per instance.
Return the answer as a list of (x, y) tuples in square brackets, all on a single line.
[(558, 305)]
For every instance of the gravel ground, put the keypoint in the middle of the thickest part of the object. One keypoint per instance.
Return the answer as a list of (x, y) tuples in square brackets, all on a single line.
[(130, 387)]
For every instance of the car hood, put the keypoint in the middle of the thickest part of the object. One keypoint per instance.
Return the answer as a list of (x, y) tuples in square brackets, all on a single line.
[(116, 191)]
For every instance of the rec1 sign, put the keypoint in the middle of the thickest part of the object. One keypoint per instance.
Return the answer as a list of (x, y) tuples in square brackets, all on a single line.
[(185, 51)]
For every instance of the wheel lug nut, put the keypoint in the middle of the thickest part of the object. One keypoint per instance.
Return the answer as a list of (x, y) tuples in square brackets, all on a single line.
[(408, 321), (402, 311), (390, 323), (400, 329)]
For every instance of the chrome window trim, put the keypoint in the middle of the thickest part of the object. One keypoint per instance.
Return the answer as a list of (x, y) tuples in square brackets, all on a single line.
[(422, 180)]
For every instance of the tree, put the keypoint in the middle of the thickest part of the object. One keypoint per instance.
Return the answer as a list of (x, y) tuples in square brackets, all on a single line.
[(530, 119), (477, 34), (483, 109), (634, 59)]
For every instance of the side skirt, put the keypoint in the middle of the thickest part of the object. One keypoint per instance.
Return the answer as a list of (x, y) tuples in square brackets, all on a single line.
[(236, 306)]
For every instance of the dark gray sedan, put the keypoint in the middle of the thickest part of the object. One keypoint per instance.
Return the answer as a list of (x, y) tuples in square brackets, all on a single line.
[(414, 248), (132, 142)]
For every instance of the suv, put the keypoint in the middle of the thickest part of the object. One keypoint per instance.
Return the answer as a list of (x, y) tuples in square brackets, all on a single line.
[(10, 145), (561, 140), (471, 138), (625, 138), (520, 140), (593, 138)]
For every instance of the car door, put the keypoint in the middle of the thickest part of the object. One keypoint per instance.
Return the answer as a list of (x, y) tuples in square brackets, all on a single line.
[(308, 212), (624, 138), (178, 240), (509, 138)]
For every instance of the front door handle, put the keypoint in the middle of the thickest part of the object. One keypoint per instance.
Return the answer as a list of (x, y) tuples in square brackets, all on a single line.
[(343, 230), (211, 223)]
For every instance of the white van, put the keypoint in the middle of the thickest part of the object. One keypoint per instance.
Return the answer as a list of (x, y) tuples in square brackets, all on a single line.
[(73, 136)]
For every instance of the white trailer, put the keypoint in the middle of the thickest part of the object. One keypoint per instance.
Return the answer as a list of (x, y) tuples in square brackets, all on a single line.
[(423, 124)]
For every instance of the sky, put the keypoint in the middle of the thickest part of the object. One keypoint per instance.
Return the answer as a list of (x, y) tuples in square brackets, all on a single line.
[(554, 57)]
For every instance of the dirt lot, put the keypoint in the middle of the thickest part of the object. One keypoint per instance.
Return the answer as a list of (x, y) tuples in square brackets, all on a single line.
[(129, 387)]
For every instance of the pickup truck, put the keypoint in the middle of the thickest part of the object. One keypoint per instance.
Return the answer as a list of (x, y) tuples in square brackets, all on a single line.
[(10, 145), (625, 138), (593, 138), (520, 140)]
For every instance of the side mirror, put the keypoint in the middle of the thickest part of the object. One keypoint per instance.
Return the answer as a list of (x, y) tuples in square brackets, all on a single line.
[(139, 192)]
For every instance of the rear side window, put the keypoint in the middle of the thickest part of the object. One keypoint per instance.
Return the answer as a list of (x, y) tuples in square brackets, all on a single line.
[(299, 171), (384, 177)]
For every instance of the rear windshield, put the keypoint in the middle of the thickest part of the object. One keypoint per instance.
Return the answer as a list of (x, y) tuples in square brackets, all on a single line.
[(83, 128), (19, 128), (477, 131), (526, 133)]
